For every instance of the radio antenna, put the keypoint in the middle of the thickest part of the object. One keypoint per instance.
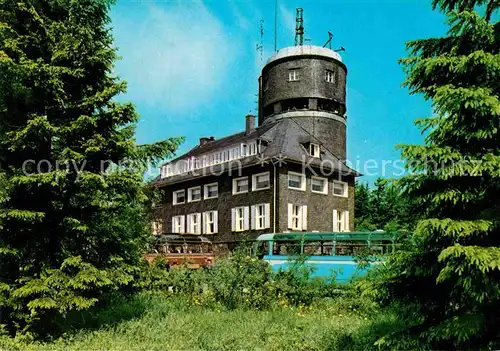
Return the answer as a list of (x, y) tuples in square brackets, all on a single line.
[(299, 28), (276, 26), (329, 41), (260, 46)]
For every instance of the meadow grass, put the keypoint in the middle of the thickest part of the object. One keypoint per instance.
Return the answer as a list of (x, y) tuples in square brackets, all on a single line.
[(155, 321)]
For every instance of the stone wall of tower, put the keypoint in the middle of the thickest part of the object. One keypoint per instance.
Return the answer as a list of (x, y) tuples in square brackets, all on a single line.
[(311, 84), (313, 101)]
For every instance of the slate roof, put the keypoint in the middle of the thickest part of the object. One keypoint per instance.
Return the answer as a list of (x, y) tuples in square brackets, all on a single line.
[(285, 140)]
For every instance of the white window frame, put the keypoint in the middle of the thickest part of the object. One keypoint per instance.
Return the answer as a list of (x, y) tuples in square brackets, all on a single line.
[(175, 200), (315, 150), (325, 185), (260, 216), (329, 76), (207, 221), (240, 218), (302, 182), (178, 224), (340, 221), (294, 74), (297, 214), (345, 185), (193, 225), (254, 181), (190, 194), (205, 191), (235, 185)]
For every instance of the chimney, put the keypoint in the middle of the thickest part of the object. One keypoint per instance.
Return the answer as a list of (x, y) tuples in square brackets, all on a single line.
[(250, 124), (204, 140)]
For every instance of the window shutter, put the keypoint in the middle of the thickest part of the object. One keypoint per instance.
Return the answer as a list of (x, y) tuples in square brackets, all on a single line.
[(183, 223), (346, 220), (198, 220), (252, 218), (173, 225), (246, 220), (204, 224), (189, 229), (290, 212), (304, 218), (233, 219), (216, 222), (335, 221), (267, 220)]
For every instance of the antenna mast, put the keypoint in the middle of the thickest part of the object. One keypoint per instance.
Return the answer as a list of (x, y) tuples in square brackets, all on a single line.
[(329, 41), (260, 46), (276, 26), (299, 28)]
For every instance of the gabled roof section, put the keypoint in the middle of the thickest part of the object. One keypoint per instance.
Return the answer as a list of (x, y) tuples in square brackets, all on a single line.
[(224, 142), (284, 140), (289, 144)]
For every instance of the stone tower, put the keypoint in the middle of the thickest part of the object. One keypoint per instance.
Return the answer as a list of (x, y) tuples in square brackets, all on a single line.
[(307, 83)]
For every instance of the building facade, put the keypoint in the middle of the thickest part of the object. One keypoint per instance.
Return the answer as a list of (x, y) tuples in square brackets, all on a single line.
[(286, 174)]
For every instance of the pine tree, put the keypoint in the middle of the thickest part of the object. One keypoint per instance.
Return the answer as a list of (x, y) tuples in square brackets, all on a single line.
[(383, 207), (450, 280), (70, 215), (362, 207)]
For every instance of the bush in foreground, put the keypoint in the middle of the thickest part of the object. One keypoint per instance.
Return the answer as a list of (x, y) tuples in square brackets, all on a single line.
[(241, 281)]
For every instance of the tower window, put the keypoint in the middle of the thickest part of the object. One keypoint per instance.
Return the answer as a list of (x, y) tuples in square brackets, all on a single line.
[(330, 76), (293, 75)]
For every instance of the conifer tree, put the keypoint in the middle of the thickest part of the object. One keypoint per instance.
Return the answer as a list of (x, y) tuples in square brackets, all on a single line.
[(70, 218), (450, 280)]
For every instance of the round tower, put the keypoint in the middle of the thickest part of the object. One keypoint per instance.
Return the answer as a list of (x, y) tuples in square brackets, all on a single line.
[(307, 83)]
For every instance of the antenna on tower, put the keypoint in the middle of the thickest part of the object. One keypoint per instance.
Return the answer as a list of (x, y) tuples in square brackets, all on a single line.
[(260, 46), (299, 28), (276, 26), (329, 41)]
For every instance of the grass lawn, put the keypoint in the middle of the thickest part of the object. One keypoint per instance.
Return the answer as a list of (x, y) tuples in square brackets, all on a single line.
[(157, 322)]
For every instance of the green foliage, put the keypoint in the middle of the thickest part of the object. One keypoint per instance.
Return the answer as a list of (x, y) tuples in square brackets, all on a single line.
[(72, 218), (241, 281), (447, 283), (383, 207), (156, 321)]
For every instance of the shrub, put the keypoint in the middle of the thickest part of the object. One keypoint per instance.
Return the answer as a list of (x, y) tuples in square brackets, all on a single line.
[(241, 281)]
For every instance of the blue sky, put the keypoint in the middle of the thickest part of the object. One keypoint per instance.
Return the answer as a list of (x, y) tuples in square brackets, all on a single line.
[(192, 66)]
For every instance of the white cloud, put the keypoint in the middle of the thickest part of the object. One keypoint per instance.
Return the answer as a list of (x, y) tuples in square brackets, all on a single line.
[(176, 58)]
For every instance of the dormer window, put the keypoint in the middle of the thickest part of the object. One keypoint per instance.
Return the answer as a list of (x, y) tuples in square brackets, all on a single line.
[(314, 150), (293, 75)]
